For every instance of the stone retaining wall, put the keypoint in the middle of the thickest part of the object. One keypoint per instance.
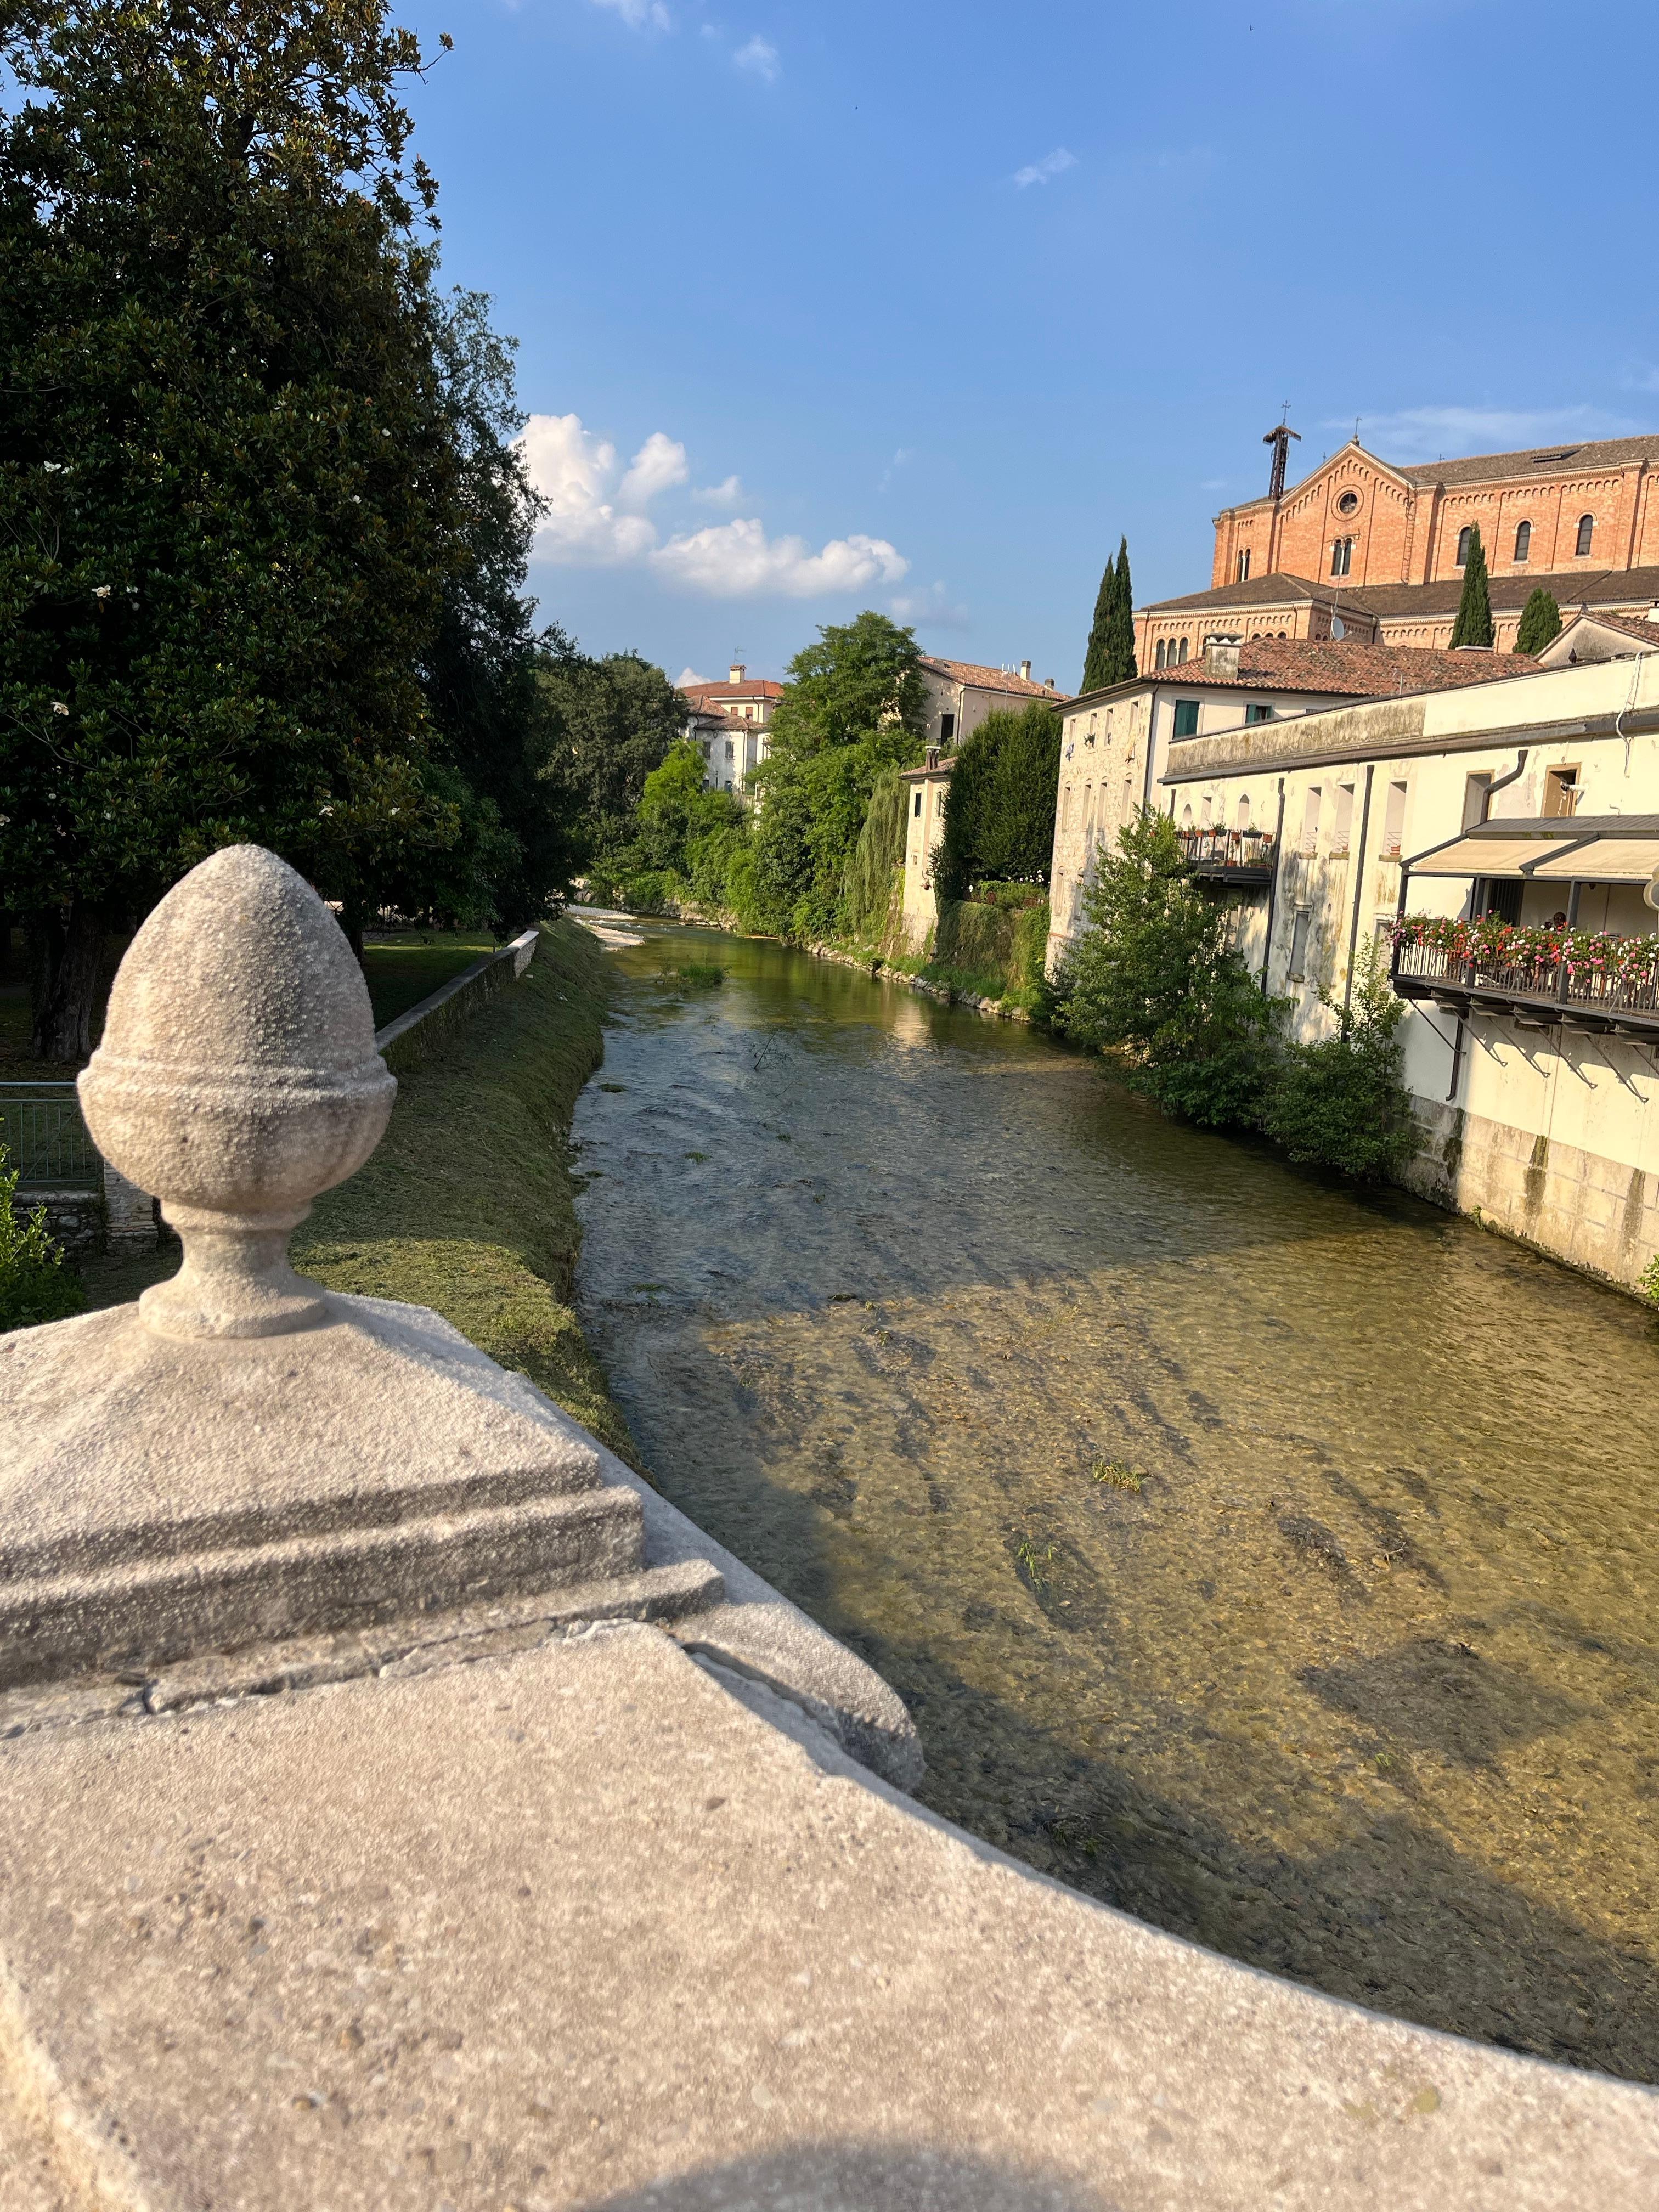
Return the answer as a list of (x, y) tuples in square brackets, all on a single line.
[(411, 1039)]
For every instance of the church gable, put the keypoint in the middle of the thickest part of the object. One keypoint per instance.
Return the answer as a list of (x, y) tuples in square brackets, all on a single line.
[(1349, 522)]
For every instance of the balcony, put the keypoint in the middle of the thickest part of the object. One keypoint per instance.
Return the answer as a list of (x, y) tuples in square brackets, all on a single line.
[(1543, 979), (1229, 856)]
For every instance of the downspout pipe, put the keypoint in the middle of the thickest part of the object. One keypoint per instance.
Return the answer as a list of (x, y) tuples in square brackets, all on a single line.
[(1503, 783), (1273, 887), (1359, 862)]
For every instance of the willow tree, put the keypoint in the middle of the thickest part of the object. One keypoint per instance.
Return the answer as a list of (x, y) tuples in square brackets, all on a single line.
[(230, 481)]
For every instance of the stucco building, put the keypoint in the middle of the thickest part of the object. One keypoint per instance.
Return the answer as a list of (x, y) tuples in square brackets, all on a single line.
[(1116, 741), (1372, 550), (730, 723), (1533, 802), (961, 693)]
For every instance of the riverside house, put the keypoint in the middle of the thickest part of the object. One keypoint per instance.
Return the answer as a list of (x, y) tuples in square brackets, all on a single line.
[(1499, 846), (1117, 739)]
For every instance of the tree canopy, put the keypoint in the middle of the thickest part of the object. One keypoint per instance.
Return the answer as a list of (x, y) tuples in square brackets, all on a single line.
[(1473, 623), (999, 806), (615, 721), (852, 709), (1540, 621), (261, 527), (1111, 654)]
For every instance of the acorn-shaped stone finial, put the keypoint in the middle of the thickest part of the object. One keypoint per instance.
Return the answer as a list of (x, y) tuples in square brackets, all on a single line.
[(237, 1079)]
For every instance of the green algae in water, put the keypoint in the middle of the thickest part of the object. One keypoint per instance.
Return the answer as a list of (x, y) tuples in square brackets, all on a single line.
[(1362, 1686)]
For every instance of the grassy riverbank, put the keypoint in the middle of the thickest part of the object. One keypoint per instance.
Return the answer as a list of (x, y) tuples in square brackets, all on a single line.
[(467, 1205)]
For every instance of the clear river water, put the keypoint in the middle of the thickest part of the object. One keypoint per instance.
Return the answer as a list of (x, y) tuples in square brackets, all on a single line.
[(1275, 1561)]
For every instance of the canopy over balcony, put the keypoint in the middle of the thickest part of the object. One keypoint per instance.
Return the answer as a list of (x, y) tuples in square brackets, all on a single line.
[(1594, 848)]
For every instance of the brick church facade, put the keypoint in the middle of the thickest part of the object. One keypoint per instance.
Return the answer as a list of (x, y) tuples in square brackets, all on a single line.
[(1366, 549)]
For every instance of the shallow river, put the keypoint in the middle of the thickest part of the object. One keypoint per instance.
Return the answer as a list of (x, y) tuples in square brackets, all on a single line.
[(1275, 1562)]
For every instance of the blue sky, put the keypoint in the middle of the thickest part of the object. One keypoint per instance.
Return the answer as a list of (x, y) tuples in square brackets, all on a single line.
[(917, 306)]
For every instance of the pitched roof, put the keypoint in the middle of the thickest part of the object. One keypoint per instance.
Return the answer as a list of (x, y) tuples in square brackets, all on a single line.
[(1275, 589), (1534, 461), (1570, 588), (753, 687), (1344, 668), (991, 679), (1636, 626)]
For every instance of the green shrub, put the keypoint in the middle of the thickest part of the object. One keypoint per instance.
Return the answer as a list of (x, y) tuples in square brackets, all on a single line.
[(1154, 975), (1341, 1102), (1649, 1280), (875, 870), (34, 1284)]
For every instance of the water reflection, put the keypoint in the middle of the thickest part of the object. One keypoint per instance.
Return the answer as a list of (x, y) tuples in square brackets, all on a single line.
[(1274, 1562)]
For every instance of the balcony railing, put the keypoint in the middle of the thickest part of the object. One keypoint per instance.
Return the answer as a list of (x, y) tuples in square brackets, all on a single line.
[(46, 1138), (1542, 977), (1238, 855)]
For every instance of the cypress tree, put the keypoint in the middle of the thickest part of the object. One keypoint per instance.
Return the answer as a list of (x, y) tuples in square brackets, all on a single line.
[(1541, 621), (1110, 658), (1123, 620), (1473, 623)]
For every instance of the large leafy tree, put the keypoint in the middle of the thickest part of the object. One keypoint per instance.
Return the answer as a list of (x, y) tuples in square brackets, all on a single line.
[(854, 708), (999, 808), (229, 480), (1111, 655), (613, 721), (1474, 624)]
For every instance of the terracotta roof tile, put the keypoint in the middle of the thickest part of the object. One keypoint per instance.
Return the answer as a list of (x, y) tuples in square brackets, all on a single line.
[(1344, 668), (991, 679), (753, 687), (1565, 459)]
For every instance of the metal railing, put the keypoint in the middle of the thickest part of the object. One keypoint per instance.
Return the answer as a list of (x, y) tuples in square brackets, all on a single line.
[(1567, 982), (46, 1138), (1227, 848)]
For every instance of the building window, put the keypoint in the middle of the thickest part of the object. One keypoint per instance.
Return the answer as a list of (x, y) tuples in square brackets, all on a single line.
[(728, 749), (1342, 556), (1163, 651), (1523, 540), (1186, 718), (1310, 820), (1242, 819), (1181, 654), (947, 729), (1342, 828), (1256, 712), (1299, 935), (1465, 537), (1561, 791), (1586, 532), (1349, 503), (1394, 821), (918, 804), (1206, 810), (1244, 566), (1477, 794)]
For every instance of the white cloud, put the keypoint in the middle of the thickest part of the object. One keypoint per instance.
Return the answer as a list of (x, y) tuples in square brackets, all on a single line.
[(1051, 165), (737, 560), (594, 521), (898, 461), (720, 495), (573, 471), (688, 679), (760, 58), (640, 14), (1427, 434), (657, 466)]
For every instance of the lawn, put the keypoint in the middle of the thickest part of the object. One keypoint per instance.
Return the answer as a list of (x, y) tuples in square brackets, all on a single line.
[(404, 968)]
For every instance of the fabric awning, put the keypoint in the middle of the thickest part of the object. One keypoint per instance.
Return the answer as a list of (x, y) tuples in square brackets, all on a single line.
[(1608, 848)]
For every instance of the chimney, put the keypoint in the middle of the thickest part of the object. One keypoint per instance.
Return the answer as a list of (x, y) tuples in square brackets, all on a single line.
[(1025, 672), (736, 671), (1221, 656)]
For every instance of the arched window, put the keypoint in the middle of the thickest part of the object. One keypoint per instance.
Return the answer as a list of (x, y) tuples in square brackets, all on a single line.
[(1182, 655), (1162, 651), (1586, 532), (1242, 820), (1186, 817), (1463, 537), (1523, 541)]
